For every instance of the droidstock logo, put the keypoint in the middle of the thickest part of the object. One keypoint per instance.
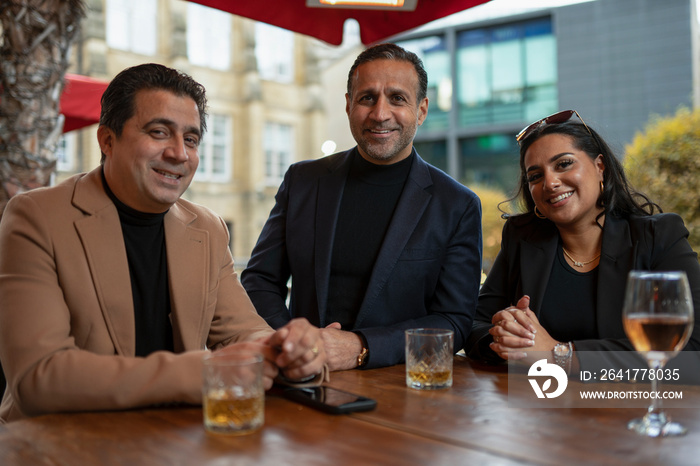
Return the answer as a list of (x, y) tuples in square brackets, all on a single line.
[(542, 369)]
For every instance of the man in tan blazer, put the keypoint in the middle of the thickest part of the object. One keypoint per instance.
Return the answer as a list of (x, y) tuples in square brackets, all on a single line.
[(112, 287)]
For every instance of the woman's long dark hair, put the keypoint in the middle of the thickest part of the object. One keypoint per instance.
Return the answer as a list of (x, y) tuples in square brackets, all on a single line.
[(618, 198)]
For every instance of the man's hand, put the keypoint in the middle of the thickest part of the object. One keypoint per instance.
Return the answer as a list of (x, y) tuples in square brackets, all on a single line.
[(342, 347), (270, 370), (301, 350)]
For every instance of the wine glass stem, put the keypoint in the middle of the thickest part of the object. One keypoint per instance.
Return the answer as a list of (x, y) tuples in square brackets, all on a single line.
[(656, 405)]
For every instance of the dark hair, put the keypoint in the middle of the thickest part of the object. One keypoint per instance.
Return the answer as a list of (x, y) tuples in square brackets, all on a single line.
[(118, 99), (618, 198), (392, 52)]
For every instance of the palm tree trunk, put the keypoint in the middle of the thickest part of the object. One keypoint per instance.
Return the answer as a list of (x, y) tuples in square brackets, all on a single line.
[(36, 40)]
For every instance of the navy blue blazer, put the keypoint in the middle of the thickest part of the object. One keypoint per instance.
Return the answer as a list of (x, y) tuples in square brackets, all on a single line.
[(427, 272), (528, 248)]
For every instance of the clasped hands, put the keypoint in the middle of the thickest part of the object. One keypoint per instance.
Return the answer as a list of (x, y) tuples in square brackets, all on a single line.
[(517, 330), (296, 350), (342, 347)]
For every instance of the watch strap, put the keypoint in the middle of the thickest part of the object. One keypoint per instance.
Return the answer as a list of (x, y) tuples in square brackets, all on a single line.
[(363, 357), (562, 353)]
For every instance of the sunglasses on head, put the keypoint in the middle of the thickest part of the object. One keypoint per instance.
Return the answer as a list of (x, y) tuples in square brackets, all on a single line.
[(559, 117)]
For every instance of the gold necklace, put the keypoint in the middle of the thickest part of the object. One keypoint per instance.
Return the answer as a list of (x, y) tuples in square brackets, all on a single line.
[(575, 262)]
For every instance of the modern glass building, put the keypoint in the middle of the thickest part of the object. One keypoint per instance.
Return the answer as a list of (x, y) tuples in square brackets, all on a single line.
[(617, 62)]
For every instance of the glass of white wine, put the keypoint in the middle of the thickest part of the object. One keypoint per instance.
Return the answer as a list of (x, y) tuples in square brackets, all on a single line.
[(658, 320)]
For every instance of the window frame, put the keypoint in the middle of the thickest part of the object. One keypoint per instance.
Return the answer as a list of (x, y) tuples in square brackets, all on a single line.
[(206, 170)]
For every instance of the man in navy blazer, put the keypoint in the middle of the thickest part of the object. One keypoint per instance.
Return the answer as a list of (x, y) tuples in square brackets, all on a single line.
[(374, 239)]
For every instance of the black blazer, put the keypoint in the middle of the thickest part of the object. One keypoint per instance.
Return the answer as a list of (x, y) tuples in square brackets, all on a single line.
[(427, 272), (528, 249)]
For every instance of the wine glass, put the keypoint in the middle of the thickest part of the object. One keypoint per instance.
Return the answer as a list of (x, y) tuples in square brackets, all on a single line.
[(658, 319)]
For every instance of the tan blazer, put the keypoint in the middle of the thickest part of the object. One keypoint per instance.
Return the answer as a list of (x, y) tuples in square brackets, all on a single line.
[(67, 336)]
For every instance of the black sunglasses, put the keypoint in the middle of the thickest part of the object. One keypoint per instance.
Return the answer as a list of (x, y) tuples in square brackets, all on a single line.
[(559, 117)]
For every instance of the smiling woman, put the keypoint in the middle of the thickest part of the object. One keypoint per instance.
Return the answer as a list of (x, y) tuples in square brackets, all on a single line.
[(557, 283), (564, 184)]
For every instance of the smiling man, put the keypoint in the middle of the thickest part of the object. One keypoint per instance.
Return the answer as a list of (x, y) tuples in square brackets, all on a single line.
[(375, 240), (112, 287)]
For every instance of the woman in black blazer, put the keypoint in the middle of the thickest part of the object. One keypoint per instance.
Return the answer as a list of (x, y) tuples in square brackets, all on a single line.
[(558, 283)]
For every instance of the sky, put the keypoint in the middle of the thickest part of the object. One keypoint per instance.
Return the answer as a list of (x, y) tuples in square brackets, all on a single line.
[(496, 8)]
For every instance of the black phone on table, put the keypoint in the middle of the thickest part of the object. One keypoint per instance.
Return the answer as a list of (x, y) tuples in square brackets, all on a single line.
[(330, 400)]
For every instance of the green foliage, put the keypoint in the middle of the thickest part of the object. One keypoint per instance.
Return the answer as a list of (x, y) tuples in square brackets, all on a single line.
[(664, 163)]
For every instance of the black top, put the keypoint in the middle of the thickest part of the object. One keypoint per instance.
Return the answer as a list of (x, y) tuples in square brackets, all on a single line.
[(529, 248), (369, 199), (569, 303), (144, 239)]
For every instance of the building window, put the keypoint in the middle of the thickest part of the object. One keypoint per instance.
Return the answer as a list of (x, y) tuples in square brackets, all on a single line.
[(208, 33), (433, 152), (274, 51), (279, 148), (215, 151), (66, 153), (436, 61), (132, 26), (489, 160), (506, 73)]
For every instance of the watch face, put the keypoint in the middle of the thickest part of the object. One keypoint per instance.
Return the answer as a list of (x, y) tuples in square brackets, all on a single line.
[(561, 350)]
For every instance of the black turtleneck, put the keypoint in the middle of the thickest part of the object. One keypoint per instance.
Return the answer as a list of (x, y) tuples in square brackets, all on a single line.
[(144, 239), (369, 199)]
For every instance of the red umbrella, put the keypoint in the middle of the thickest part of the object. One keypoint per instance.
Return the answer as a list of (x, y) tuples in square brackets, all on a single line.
[(327, 23), (80, 101)]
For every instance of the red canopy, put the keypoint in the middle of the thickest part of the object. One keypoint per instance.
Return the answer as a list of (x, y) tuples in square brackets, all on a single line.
[(80, 101), (327, 23)]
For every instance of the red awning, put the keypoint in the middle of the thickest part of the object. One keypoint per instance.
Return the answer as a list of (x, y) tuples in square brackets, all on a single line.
[(80, 101), (327, 23)]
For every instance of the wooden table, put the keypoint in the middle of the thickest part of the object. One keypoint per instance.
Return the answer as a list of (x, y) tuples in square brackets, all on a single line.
[(471, 423)]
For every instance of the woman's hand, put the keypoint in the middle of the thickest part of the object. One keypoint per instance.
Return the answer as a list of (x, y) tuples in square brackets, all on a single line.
[(517, 330)]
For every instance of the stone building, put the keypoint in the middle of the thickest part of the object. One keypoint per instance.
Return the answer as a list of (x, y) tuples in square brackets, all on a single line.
[(265, 101)]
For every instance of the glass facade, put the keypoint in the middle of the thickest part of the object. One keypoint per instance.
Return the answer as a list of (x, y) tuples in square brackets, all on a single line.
[(506, 73), (484, 85), (436, 61), (489, 160), (433, 152)]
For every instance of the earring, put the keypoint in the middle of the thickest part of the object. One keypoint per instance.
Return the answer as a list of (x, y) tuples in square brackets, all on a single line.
[(539, 214), (602, 188)]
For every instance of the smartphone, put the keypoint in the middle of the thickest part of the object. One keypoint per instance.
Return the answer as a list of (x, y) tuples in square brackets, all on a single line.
[(330, 400)]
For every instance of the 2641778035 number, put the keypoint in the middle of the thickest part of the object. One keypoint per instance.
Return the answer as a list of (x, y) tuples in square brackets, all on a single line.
[(631, 375)]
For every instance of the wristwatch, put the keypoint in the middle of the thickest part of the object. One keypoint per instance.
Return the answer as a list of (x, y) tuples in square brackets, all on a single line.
[(562, 353), (362, 357)]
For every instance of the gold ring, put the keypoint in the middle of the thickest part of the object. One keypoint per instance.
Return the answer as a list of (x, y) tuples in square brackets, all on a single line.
[(315, 350)]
